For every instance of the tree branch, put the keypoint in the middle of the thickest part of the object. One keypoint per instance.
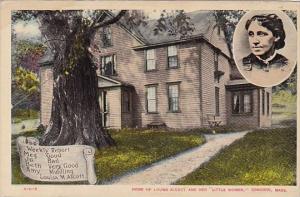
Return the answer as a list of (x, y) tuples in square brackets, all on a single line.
[(99, 19), (111, 21)]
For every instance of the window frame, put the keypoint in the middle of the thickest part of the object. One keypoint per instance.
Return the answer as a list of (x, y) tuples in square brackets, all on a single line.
[(156, 98), (114, 64), (106, 31), (178, 97), (216, 60), (146, 60), (176, 56), (241, 96)]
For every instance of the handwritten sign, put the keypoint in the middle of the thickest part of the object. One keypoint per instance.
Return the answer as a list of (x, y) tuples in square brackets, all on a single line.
[(56, 163)]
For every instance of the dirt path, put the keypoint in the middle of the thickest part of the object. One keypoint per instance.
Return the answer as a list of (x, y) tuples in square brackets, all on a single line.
[(170, 170)]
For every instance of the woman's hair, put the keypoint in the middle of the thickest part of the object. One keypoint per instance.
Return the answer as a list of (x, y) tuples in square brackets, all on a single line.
[(273, 23)]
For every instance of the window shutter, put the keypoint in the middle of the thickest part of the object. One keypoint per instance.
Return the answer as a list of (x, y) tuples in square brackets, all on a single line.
[(114, 64)]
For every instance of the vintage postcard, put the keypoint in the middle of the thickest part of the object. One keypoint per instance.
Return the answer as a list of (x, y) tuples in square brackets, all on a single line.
[(149, 98)]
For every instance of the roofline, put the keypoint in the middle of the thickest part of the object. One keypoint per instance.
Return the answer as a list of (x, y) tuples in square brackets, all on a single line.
[(240, 83), (236, 82), (109, 79), (200, 38), (161, 44), (117, 83)]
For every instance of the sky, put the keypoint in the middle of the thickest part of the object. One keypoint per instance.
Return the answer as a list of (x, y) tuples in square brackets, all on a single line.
[(27, 30)]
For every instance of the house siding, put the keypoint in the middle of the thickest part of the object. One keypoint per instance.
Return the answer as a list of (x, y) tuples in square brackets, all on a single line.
[(209, 83), (46, 81), (131, 69), (113, 96), (195, 76), (187, 76)]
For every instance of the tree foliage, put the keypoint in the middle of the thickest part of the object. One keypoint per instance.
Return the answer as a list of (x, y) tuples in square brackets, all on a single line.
[(26, 80), (226, 20), (28, 54), (176, 22)]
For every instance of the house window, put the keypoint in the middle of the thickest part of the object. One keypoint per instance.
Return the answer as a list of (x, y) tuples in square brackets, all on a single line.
[(172, 57), (268, 103), (108, 65), (263, 102), (217, 101), (217, 73), (151, 99), (126, 105), (173, 97), (242, 102), (150, 60), (216, 61), (106, 37)]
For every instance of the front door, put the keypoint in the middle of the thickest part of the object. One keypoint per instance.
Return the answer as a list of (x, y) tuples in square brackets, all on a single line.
[(104, 108)]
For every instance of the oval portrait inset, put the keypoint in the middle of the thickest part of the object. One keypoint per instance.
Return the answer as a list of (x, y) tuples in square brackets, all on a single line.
[(265, 47)]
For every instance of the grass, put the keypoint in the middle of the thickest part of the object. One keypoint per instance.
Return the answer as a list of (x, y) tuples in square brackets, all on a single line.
[(134, 149), (262, 157), (24, 114), (219, 129)]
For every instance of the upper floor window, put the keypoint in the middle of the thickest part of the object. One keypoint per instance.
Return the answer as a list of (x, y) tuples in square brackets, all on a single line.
[(150, 59), (216, 60), (242, 102), (108, 65), (106, 37), (173, 97), (151, 99), (217, 73), (172, 57)]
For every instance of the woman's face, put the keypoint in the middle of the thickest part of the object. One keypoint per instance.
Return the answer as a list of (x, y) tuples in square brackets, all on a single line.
[(261, 39)]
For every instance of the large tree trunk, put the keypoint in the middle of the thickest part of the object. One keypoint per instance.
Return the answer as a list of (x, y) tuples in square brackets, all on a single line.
[(75, 116)]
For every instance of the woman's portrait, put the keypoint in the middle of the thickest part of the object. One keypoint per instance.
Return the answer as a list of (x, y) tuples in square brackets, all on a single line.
[(261, 48)]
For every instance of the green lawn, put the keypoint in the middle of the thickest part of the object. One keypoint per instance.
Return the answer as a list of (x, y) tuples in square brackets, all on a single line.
[(134, 149), (263, 157)]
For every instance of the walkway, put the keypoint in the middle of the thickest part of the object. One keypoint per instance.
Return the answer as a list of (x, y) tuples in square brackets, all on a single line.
[(170, 170)]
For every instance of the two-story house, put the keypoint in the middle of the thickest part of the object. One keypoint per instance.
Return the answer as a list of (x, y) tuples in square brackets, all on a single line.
[(147, 79)]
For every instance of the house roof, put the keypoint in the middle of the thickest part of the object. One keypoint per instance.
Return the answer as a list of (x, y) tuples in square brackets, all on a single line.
[(239, 84), (203, 21), (47, 59), (107, 82)]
